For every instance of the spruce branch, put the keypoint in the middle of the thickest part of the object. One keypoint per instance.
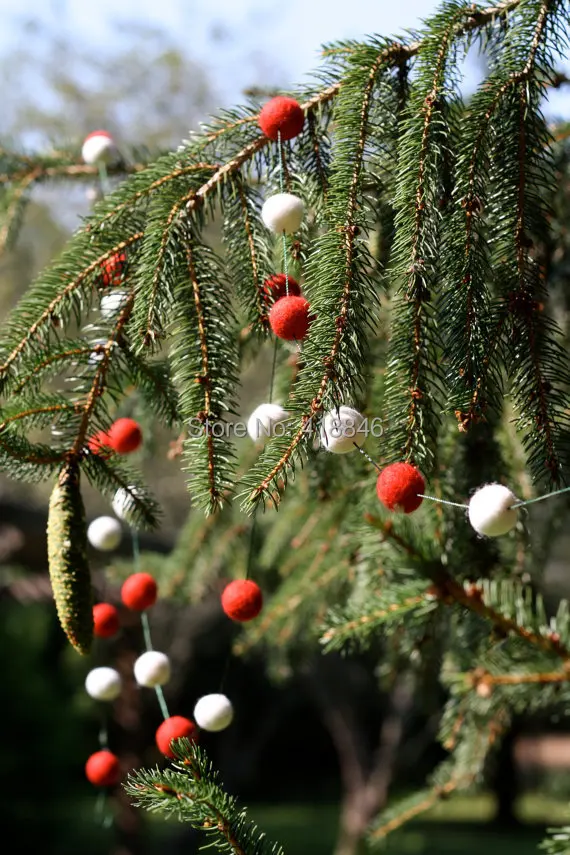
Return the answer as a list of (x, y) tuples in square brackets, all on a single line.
[(191, 791)]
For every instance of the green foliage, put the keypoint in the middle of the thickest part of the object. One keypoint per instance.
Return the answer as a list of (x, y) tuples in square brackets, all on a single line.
[(435, 257)]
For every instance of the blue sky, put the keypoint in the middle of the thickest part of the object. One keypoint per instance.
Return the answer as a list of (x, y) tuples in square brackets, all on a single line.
[(240, 42)]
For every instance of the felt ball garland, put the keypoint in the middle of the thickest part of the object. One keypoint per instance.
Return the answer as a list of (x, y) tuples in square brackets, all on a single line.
[(125, 436), (152, 669), (99, 147), (213, 712), (111, 304), (139, 591), (103, 684), (398, 487), (263, 422), (242, 600), (283, 212), (279, 285), (341, 430), (281, 116), (103, 769), (106, 620), (113, 270), (175, 727), (123, 502), (490, 512), (105, 533), (290, 318)]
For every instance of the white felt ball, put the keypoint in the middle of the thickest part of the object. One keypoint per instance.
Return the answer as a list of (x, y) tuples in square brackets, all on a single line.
[(283, 212), (264, 420), (123, 503), (490, 511), (213, 712), (152, 669), (99, 147), (103, 684), (111, 304), (342, 428), (105, 533)]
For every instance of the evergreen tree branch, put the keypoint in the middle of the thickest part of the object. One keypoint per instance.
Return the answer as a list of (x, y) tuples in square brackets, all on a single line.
[(191, 791)]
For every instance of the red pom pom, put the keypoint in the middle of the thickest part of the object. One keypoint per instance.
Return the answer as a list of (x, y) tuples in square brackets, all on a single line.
[(174, 727), (139, 591), (398, 486), (281, 114), (275, 287), (112, 269), (125, 436), (105, 620), (103, 769), (289, 318), (99, 443), (242, 600)]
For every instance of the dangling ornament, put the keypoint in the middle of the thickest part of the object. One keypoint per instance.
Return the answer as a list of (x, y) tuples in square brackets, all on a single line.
[(67, 559), (139, 592), (281, 116), (290, 318), (99, 147), (113, 270), (103, 684), (103, 769), (105, 620), (152, 669), (341, 429), (242, 600), (175, 727), (263, 422), (124, 504), (105, 533), (283, 212), (490, 510), (213, 712), (111, 304), (398, 486), (276, 286), (125, 436)]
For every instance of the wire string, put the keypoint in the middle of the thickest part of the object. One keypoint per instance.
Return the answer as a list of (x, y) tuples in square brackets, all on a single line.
[(145, 623), (103, 177), (442, 501), (540, 498), (370, 460)]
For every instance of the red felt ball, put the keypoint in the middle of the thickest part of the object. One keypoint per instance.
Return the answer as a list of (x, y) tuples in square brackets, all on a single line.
[(275, 287), (113, 269), (242, 600), (125, 436), (105, 620), (398, 486), (98, 134), (103, 769), (174, 727), (281, 114), (99, 443), (139, 591), (289, 318)]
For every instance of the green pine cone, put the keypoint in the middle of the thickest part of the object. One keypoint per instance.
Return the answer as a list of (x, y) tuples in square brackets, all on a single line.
[(67, 559)]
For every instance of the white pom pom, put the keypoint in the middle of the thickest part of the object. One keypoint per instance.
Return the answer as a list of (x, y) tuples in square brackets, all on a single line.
[(152, 669), (123, 503), (111, 304), (490, 511), (213, 712), (105, 533), (283, 212), (103, 684), (341, 429), (99, 147), (264, 420)]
